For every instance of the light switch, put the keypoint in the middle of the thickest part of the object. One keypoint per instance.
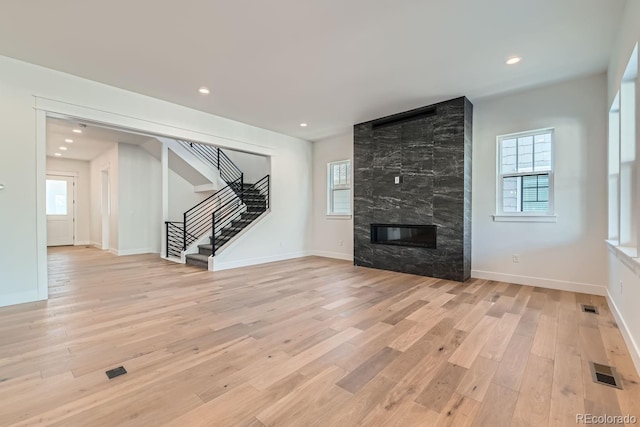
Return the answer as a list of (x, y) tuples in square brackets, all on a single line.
[(397, 180)]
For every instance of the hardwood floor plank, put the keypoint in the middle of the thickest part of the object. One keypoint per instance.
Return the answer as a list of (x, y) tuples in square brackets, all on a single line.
[(364, 373), (476, 381), (534, 400), (472, 345), (497, 408), (514, 361), (439, 390)]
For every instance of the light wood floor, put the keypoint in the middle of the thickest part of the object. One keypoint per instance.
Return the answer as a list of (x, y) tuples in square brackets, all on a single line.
[(306, 342)]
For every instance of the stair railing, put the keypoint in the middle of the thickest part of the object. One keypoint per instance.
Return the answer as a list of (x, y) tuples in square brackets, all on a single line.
[(219, 210), (256, 202), (229, 172)]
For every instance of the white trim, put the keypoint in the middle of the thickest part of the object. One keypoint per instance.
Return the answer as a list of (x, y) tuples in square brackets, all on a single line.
[(337, 216), (82, 243), (137, 251), (525, 218), (204, 187), (626, 255), (632, 345), (113, 251), (20, 298), (222, 265), (146, 126), (334, 255), (42, 292), (96, 245), (561, 285), (62, 173)]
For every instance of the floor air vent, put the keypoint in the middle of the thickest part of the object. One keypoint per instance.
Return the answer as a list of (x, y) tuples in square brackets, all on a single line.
[(116, 372), (590, 309), (606, 375)]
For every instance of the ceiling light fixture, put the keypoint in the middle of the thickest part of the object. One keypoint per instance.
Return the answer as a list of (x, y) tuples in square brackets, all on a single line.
[(69, 141), (304, 125), (57, 154), (77, 131), (204, 90), (63, 148), (513, 60)]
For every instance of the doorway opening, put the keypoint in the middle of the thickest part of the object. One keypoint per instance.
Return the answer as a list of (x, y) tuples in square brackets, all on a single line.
[(60, 208)]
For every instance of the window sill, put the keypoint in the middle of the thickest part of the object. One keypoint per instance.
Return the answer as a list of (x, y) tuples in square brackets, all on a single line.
[(626, 254), (524, 218), (331, 216)]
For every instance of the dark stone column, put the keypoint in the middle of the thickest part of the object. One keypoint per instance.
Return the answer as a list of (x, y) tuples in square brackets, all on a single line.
[(432, 154)]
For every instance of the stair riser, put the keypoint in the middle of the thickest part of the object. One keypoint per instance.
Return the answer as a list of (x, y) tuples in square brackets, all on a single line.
[(197, 263)]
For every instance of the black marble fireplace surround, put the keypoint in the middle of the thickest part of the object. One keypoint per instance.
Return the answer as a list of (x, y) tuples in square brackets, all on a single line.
[(428, 151)]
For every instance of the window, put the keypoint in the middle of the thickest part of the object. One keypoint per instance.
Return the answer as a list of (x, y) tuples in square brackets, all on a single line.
[(56, 191), (525, 174), (339, 188)]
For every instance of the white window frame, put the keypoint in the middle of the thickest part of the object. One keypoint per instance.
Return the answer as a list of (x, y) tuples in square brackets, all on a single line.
[(548, 216), (331, 188)]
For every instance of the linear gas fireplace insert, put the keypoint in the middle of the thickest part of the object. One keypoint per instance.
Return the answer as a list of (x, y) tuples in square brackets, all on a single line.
[(423, 236)]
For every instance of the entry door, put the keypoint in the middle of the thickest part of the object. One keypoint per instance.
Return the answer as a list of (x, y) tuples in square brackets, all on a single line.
[(60, 210)]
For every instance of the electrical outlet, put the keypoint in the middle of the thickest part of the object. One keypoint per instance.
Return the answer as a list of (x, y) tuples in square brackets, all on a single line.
[(516, 258)]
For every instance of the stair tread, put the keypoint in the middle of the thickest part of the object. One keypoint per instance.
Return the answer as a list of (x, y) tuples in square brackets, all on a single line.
[(199, 257)]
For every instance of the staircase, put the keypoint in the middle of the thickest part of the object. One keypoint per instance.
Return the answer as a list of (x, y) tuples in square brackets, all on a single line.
[(222, 216)]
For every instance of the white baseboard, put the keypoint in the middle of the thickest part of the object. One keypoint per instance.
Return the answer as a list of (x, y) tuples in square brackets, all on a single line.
[(82, 243), (113, 251), (19, 298), (560, 285), (226, 265), (632, 345), (335, 255), (137, 251)]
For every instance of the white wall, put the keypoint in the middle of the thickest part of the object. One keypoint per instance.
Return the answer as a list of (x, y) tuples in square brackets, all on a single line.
[(24, 86), (182, 196), (567, 254), (628, 36), (139, 201), (253, 166), (326, 232), (107, 160), (285, 232), (82, 193), (624, 273)]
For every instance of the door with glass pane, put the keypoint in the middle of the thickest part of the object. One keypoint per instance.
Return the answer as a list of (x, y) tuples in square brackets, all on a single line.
[(59, 204)]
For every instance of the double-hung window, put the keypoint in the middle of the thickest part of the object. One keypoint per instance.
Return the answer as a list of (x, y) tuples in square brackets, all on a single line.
[(339, 188), (525, 175)]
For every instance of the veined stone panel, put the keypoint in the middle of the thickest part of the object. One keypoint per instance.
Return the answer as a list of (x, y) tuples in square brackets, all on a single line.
[(432, 155)]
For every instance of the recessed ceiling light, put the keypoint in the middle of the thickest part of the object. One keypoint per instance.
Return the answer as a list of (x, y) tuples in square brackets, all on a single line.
[(57, 154), (513, 60), (63, 148), (304, 125), (69, 141), (77, 131), (204, 90)]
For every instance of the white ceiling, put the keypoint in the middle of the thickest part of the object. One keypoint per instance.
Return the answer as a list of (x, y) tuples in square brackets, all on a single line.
[(330, 63), (92, 142)]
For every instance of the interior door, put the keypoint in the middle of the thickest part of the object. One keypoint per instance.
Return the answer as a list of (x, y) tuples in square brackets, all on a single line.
[(60, 212)]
